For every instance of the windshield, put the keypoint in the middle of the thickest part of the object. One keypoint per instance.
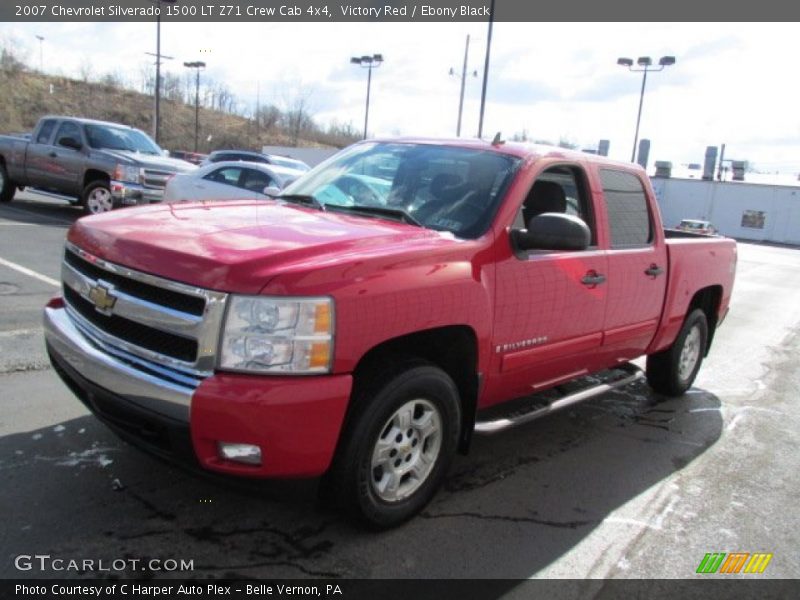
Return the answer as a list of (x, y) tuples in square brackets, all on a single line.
[(120, 138), (440, 187)]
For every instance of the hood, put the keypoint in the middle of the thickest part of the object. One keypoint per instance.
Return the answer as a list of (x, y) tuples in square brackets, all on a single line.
[(238, 246), (151, 161)]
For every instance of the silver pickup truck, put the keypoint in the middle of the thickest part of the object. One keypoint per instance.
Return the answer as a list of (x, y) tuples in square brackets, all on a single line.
[(100, 165)]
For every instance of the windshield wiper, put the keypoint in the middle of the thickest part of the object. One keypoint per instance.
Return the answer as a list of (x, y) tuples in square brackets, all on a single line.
[(302, 199), (396, 214)]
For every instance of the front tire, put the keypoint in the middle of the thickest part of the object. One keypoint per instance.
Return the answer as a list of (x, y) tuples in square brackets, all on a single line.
[(7, 187), (97, 198), (672, 371), (397, 447)]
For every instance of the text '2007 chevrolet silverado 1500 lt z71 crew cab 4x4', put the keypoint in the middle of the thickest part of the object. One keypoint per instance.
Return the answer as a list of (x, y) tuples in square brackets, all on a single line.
[(401, 296), (101, 165)]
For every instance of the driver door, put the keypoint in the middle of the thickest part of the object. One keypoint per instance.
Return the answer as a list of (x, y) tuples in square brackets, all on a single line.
[(550, 304)]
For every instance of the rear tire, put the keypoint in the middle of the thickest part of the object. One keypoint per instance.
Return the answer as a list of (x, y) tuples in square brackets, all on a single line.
[(397, 446), (672, 371), (97, 198), (7, 187)]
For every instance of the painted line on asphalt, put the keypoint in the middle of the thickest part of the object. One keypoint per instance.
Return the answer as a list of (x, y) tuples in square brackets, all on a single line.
[(29, 273), (33, 213), (15, 224), (19, 332)]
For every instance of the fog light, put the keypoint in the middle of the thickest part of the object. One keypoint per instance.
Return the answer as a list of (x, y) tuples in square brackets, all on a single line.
[(243, 453)]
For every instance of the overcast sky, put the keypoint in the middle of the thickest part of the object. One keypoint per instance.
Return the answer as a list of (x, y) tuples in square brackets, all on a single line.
[(733, 83)]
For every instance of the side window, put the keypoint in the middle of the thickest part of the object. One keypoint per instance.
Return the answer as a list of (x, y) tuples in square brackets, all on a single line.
[(628, 214), (69, 129), (254, 181), (227, 175), (46, 130), (561, 189)]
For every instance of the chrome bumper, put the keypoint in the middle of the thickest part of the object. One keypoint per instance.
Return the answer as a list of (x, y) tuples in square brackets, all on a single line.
[(135, 386), (126, 193)]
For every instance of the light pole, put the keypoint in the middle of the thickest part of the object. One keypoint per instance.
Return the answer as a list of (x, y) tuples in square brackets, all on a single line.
[(198, 64), (369, 63), (41, 53), (159, 56), (645, 65), (486, 69), (463, 81)]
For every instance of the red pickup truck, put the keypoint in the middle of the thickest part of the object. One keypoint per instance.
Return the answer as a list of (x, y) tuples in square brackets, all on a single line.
[(399, 297)]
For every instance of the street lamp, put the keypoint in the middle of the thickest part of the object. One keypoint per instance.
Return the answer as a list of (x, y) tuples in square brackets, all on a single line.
[(159, 56), (369, 63), (198, 64), (41, 53), (645, 66), (463, 81)]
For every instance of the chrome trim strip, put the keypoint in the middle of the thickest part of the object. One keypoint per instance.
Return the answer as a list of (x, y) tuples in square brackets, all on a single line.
[(140, 388), (136, 309)]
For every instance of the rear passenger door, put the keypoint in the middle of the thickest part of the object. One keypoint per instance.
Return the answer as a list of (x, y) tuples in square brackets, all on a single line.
[(637, 266), (37, 159)]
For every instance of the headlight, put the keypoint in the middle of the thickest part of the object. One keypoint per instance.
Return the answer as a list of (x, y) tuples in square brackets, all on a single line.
[(127, 173), (282, 335)]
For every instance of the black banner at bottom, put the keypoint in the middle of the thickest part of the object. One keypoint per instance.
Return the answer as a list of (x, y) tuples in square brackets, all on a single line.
[(405, 589)]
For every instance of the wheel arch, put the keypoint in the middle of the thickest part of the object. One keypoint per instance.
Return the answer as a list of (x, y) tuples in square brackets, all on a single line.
[(708, 300), (454, 349)]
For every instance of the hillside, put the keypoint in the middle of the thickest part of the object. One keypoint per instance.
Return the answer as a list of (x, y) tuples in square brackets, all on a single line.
[(27, 95)]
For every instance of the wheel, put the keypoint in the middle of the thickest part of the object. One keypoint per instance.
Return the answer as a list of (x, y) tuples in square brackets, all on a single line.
[(97, 198), (672, 371), (7, 187), (397, 447)]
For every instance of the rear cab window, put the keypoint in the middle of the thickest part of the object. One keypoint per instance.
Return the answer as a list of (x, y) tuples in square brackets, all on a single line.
[(629, 218), (45, 131)]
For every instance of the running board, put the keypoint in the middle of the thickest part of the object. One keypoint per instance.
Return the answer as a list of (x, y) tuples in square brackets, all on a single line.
[(617, 377)]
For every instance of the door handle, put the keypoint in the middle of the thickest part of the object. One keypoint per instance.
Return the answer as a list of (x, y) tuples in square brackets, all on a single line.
[(53, 155), (654, 271), (593, 278)]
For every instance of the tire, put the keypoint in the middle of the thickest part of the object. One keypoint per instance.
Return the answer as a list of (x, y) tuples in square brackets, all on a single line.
[(381, 473), (7, 187), (672, 371), (97, 198)]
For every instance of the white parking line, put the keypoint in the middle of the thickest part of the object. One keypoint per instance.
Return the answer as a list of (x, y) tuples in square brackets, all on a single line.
[(29, 273), (33, 213), (14, 223)]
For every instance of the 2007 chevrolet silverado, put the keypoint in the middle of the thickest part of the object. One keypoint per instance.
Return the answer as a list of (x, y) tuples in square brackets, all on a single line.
[(99, 164), (361, 326)]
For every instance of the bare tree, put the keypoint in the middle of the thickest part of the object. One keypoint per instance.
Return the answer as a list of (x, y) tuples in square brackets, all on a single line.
[(296, 117), (86, 69)]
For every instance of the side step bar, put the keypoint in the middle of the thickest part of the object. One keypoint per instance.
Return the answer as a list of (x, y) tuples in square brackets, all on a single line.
[(619, 376)]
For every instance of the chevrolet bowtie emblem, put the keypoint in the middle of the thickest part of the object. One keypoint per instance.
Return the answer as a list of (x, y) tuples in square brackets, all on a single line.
[(101, 297)]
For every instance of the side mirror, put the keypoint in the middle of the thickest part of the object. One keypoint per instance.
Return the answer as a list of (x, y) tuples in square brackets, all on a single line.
[(553, 231), (70, 142), (271, 191)]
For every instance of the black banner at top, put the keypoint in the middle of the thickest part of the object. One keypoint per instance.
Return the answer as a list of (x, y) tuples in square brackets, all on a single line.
[(393, 10)]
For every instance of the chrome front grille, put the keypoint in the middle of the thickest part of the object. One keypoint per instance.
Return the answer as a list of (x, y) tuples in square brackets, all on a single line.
[(154, 324), (155, 179)]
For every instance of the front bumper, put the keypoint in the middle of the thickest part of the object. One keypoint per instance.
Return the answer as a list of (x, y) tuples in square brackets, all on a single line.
[(126, 193), (294, 420)]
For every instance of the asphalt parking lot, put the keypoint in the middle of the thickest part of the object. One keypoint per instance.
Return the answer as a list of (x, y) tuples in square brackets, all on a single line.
[(629, 485)]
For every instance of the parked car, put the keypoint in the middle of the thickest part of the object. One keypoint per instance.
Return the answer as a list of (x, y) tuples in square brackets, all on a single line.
[(697, 226), (99, 164), (367, 341), (229, 180), (250, 156)]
